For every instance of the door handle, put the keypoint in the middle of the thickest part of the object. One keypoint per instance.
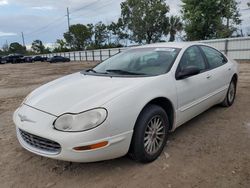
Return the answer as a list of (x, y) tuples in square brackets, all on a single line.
[(209, 76), (229, 69)]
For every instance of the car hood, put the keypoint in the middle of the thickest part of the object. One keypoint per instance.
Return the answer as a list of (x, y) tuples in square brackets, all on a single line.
[(78, 92)]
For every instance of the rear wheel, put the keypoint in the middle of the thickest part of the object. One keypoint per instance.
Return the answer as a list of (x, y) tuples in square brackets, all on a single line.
[(150, 134), (229, 99)]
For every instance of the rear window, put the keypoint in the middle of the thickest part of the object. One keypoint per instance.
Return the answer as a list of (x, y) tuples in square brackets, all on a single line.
[(214, 57)]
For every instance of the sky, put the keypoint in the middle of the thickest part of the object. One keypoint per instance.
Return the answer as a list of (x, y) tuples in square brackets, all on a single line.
[(46, 19)]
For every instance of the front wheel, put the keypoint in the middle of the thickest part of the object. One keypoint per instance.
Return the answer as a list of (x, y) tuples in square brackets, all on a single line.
[(229, 99), (150, 134)]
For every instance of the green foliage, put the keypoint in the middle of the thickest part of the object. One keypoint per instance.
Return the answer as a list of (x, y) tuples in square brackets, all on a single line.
[(100, 34), (78, 36), (146, 21), (38, 47), (29, 53), (15, 47), (117, 32), (210, 19), (145, 18), (175, 25), (105, 46), (47, 50), (61, 46)]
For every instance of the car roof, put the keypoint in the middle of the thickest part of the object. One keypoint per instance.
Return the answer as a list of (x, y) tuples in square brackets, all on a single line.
[(170, 45)]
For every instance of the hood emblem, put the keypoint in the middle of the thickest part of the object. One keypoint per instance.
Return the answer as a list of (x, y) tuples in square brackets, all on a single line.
[(25, 118)]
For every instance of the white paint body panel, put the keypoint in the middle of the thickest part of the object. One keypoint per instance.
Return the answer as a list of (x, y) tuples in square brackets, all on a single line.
[(124, 98)]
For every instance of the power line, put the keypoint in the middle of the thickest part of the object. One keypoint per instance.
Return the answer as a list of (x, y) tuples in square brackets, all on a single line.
[(45, 29), (84, 7), (46, 26), (99, 7), (68, 18), (59, 19)]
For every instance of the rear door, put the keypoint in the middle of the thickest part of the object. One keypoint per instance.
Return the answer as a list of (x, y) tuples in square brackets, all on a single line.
[(192, 92), (219, 71)]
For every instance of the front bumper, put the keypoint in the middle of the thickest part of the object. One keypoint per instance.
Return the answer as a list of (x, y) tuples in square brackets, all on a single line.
[(40, 125)]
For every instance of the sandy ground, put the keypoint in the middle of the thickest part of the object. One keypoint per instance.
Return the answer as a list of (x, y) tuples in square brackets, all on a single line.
[(212, 150)]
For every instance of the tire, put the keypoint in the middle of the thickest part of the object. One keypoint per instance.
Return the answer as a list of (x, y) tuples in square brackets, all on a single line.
[(230, 97), (144, 136)]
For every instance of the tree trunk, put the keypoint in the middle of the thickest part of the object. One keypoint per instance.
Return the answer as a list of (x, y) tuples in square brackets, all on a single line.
[(172, 37), (149, 38)]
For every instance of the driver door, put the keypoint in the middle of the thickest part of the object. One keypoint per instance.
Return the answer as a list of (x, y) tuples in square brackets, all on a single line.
[(192, 91)]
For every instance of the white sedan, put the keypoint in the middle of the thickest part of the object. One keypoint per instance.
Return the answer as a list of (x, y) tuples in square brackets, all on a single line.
[(126, 104)]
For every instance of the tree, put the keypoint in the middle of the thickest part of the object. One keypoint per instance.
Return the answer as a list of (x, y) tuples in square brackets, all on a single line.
[(100, 34), (210, 19), (38, 47), (47, 50), (230, 15), (117, 32), (145, 18), (61, 46), (15, 47), (78, 36), (175, 25)]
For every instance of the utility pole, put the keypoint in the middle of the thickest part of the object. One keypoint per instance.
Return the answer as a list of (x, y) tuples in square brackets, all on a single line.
[(68, 24), (68, 17), (23, 40)]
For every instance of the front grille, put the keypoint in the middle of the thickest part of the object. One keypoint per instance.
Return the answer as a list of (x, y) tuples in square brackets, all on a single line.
[(42, 144)]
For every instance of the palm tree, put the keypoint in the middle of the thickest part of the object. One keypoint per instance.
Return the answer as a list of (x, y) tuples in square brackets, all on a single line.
[(175, 25)]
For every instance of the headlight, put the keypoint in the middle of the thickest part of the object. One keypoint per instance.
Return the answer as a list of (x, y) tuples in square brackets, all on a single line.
[(82, 121)]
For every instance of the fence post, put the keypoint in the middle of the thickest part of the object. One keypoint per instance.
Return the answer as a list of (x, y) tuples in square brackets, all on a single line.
[(80, 57), (226, 46), (109, 53), (86, 55), (69, 55), (119, 50), (93, 54), (101, 55)]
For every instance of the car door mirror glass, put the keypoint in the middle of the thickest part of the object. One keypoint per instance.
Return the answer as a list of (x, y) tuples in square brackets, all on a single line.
[(187, 72)]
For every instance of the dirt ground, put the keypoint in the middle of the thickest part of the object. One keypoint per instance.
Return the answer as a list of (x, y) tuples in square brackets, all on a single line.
[(212, 150)]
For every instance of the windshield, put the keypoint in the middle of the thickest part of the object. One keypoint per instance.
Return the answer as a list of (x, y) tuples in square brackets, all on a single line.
[(138, 61)]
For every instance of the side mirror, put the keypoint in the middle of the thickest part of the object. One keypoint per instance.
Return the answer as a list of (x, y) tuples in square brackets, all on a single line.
[(187, 72)]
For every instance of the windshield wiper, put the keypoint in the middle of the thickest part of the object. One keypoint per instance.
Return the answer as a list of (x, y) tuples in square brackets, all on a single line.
[(118, 71), (92, 70)]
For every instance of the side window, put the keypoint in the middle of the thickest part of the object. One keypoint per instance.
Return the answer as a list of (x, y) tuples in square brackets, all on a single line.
[(192, 57), (214, 57)]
